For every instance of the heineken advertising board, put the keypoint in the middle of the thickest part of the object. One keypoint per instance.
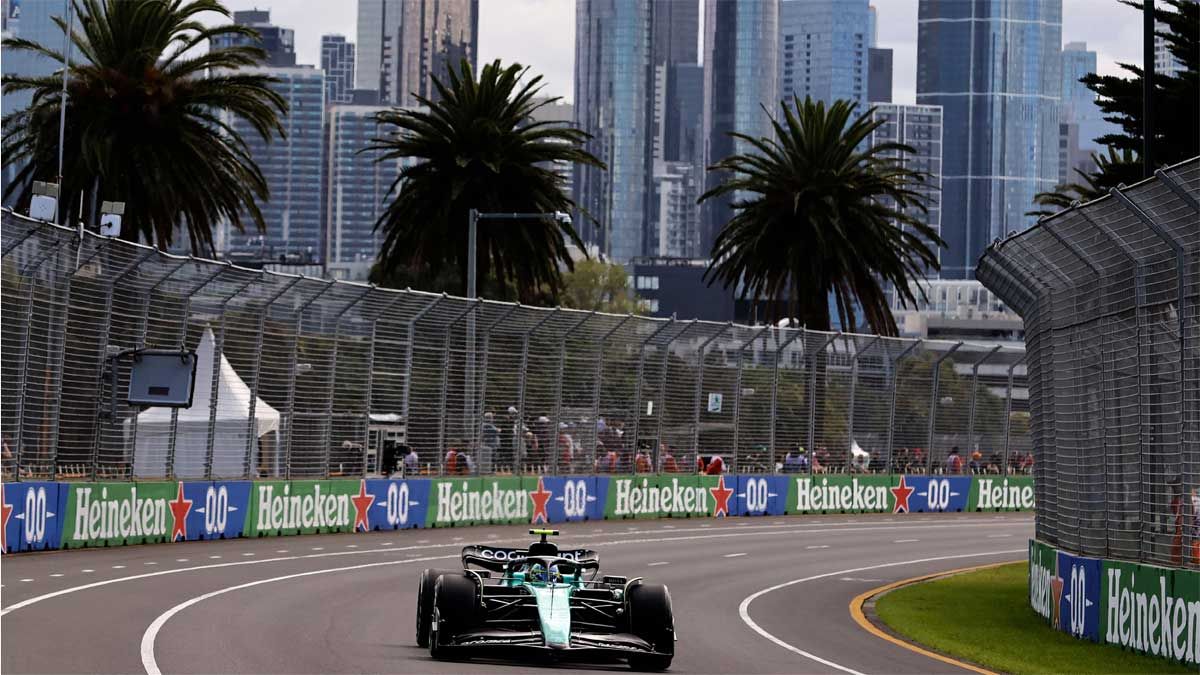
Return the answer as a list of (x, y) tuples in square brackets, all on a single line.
[(1002, 493), (675, 495), (1145, 608), (117, 514)]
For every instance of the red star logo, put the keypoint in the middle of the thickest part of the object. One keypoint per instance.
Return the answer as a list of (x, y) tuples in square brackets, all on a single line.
[(179, 510), (1056, 589), (721, 496), (7, 510), (540, 497), (362, 502), (901, 493)]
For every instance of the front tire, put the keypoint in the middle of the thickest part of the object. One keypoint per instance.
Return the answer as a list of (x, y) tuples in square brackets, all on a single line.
[(652, 619), (455, 609), (425, 602)]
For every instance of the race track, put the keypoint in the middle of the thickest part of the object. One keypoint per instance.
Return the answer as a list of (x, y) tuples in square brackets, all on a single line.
[(344, 603)]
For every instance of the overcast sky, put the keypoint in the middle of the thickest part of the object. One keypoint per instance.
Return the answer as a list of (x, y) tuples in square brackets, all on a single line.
[(541, 33)]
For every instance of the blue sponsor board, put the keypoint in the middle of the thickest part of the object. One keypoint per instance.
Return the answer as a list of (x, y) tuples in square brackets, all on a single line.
[(759, 495), (938, 493), (217, 510), (595, 510), (32, 516), (398, 504), (1079, 604), (565, 498)]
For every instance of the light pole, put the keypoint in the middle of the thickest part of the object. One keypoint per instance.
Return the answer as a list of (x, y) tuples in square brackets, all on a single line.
[(473, 219)]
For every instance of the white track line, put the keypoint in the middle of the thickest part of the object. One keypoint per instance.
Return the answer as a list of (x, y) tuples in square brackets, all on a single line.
[(744, 608), (734, 555)]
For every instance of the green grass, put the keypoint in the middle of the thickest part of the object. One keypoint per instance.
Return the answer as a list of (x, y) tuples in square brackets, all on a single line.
[(984, 617)]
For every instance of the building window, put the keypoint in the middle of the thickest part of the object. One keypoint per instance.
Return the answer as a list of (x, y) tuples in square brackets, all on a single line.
[(652, 304)]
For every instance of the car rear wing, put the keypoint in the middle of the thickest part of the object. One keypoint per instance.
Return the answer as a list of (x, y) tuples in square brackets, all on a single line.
[(498, 558)]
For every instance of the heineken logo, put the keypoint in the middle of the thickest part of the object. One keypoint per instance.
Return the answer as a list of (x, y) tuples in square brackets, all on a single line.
[(98, 516), (282, 510), (1158, 621), (1041, 576), (457, 501), (999, 494), (855, 496), (637, 497)]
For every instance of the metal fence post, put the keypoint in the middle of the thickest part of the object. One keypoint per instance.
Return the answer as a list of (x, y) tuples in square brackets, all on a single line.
[(599, 380), (477, 421), (291, 397), (519, 442), (779, 349), (441, 436), (854, 382), (934, 402), (370, 398), (408, 359), (1008, 414), (218, 356), (662, 393), (637, 385), (32, 267), (812, 392), (891, 434), (252, 422), (737, 395), (700, 386), (558, 394), (327, 433), (974, 388)]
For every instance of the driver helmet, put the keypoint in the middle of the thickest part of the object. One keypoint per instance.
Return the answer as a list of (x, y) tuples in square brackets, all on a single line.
[(538, 572)]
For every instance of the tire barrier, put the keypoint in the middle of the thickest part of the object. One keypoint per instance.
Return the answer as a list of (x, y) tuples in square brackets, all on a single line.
[(44, 516)]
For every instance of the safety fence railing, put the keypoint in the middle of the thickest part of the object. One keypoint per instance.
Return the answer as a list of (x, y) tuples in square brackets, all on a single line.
[(1110, 294), (307, 378)]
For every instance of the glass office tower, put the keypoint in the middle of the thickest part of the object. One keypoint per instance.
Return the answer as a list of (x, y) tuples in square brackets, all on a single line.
[(824, 47), (995, 68)]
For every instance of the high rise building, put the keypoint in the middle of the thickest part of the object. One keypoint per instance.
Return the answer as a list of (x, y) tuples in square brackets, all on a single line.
[(279, 43), (920, 127), (613, 103), (337, 60), (994, 67), (741, 66), (879, 75), (676, 232), (1082, 120), (358, 190), (404, 44), (824, 47), (1165, 62), (29, 21), (564, 113), (292, 167)]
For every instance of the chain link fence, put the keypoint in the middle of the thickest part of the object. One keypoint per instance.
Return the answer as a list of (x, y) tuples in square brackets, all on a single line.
[(1110, 292), (300, 377)]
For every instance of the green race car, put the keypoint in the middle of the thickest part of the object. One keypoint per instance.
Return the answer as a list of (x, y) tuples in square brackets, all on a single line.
[(547, 601)]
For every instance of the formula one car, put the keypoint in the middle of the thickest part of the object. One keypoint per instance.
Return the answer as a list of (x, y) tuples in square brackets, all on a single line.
[(545, 601)]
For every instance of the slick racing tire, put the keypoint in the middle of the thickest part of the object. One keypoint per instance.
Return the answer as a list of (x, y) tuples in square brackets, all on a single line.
[(425, 602), (455, 609), (651, 619)]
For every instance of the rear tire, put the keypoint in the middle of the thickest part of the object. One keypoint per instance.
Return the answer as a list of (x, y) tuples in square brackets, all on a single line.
[(652, 619), (425, 602), (455, 609)]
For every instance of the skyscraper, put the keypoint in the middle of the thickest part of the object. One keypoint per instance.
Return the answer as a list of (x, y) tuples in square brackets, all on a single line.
[(337, 60), (741, 58), (29, 21), (279, 43), (1082, 118), (403, 44), (613, 103), (879, 75), (994, 67), (824, 50), (920, 127), (1165, 62), (292, 167)]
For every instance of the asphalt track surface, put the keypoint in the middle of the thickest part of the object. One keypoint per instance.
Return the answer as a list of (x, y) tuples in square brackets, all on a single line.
[(344, 603)]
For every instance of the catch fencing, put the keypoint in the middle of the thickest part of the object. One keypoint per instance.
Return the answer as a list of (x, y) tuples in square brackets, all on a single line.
[(307, 378), (1110, 291)]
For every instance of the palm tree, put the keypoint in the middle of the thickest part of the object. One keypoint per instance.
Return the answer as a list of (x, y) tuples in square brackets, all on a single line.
[(148, 120), (1112, 169), (477, 147), (819, 212)]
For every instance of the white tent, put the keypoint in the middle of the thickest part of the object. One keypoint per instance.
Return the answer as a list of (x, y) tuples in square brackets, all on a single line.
[(230, 425)]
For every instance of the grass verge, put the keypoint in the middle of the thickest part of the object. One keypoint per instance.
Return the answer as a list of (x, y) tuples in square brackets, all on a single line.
[(984, 617)]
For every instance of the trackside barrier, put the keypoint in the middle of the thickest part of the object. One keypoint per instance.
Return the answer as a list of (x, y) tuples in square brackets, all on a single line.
[(43, 516), (1144, 608)]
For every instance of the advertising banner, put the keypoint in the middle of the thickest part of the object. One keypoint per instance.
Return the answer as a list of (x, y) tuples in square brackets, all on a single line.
[(115, 514), (561, 499), (397, 504), (1143, 610), (938, 493), (32, 516), (714, 496), (306, 507), (213, 510), (760, 495), (839, 493), (1043, 570), (1001, 493), (633, 497), (1077, 585), (455, 502)]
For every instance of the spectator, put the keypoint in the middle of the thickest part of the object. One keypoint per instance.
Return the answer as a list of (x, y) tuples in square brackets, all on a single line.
[(902, 461), (716, 466), (642, 462), (453, 466), (565, 449), (860, 459), (995, 461), (669, 465), (489, 443), (796, 461), (976, 463), (917, 465), (954, 463), (820, 460), (607, 463), (699, 464), (411, 463), (1027, 463), (529, 451)]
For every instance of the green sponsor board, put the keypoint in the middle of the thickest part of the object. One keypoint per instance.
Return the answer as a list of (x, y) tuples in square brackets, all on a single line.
[(115, 514), (840, 494), (654, 496), (476, 501), (1151, 610), (1001, 493), (1043, 562), (301, 507)]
